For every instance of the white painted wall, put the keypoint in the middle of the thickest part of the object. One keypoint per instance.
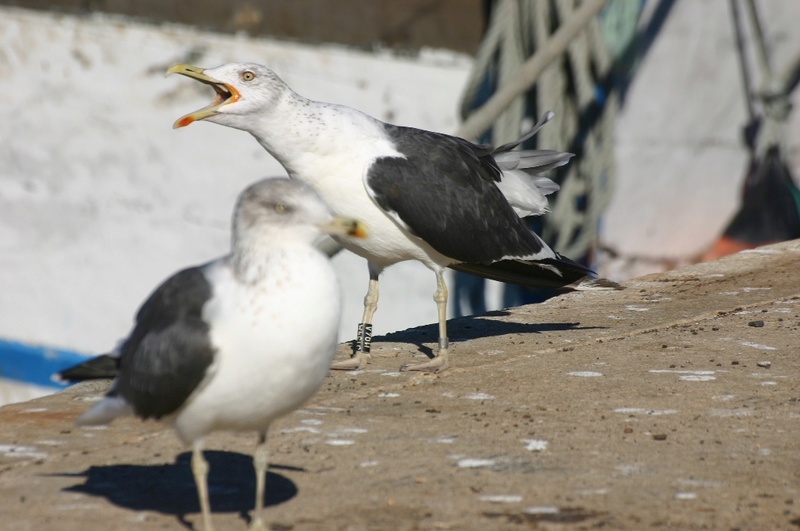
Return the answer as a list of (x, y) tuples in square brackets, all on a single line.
[(100, 199)]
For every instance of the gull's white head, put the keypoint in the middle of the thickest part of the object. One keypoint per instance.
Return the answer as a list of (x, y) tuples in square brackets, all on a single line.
[(242, 89), (282, 209)]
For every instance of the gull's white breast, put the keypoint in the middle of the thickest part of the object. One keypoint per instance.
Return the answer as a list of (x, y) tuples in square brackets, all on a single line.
[(275, 341)]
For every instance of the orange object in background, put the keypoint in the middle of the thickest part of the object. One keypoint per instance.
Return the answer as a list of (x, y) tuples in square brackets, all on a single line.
[(770, 209)]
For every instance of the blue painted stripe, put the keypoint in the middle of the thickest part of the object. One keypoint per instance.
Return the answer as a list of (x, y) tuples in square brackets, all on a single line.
[(35, 364)]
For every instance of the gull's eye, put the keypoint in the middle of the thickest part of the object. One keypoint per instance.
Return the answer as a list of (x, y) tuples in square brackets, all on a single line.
[(280, 208), (247, 75)]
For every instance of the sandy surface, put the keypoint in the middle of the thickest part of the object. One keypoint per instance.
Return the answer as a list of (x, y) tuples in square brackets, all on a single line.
[(671, 405)]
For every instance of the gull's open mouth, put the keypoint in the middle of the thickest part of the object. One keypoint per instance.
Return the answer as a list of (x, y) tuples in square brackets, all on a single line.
[(225, 94)]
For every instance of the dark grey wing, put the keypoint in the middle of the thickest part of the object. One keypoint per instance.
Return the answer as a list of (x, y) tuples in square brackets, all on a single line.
[(444, 192), (169, 350)]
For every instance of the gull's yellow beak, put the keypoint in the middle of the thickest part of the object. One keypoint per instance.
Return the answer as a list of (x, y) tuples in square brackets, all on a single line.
[(341, 226), (225, 94)]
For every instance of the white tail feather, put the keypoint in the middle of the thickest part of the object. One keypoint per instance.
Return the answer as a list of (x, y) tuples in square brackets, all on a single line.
[(105, 411), (525, 193)]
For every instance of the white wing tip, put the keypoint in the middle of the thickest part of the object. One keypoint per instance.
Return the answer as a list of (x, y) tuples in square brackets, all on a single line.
[(595, 284)]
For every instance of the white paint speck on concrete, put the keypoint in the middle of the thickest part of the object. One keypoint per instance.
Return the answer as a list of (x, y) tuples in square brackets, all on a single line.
[(542, 509), (501, 498), (645, 411), (687, 375), (23, 452), (298, 429), (339, 442), (475, 463), (479, 396), (535, 445), (697, 378), (348, 430), (756, 345), (585, 374)]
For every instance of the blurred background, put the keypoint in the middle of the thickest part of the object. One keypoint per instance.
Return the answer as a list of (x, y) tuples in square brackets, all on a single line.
[(679, 113)]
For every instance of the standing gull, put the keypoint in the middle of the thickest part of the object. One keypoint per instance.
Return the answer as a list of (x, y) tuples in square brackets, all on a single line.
[(425, 196), (239, 341)]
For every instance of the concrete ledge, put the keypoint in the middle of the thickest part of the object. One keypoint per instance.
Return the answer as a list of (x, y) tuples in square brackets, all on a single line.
[(672, 404)]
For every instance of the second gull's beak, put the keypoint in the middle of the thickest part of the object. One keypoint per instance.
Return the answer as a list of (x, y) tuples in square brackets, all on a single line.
[(341, 226)]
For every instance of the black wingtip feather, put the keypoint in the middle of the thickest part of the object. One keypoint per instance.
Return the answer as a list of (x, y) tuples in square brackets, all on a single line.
[(546, 117), (556, 273), (100, 367)]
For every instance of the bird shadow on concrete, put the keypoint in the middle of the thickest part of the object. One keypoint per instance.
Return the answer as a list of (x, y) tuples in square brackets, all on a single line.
[(473, 327), (170, 488)]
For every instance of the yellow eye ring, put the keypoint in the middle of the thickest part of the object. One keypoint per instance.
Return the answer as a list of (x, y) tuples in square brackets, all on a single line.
[(247, 75), (280, 208)]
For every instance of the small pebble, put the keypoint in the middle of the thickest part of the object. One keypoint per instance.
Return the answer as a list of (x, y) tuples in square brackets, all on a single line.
[(757, 324), (764, 364), (660, 436)]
